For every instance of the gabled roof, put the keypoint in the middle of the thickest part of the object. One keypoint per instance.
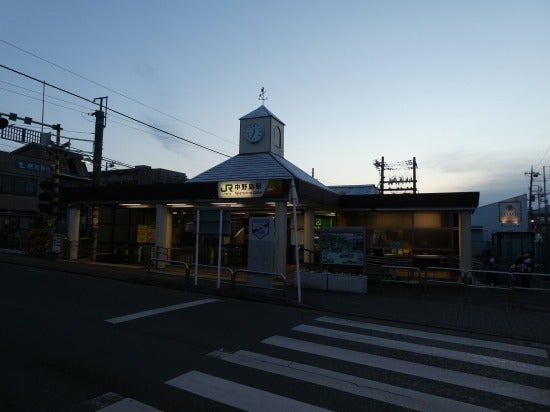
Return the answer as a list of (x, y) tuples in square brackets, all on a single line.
[(261, 111), (255, 166), (261, 166)]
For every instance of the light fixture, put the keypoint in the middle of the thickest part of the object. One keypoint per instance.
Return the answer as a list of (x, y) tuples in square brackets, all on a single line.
[(227, 204)]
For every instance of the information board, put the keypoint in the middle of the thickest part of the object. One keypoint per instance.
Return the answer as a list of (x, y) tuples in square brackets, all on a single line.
[(342, 246)]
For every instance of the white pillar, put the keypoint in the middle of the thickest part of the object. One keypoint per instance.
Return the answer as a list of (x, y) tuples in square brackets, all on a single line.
[(163, 230), (73, 227), (280, 243), (465, 239), (309, 234)]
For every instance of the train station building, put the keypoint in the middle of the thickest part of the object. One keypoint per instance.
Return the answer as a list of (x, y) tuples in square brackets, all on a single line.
[(256, 207)]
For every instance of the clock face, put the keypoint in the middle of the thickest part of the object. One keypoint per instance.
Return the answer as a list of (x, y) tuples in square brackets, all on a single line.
[(254, 132)]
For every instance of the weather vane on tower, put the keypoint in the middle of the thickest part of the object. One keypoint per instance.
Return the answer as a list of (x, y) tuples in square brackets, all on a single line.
[(262, 95)]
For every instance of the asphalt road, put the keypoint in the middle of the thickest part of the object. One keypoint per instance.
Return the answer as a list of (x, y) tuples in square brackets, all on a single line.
[(80, 343)]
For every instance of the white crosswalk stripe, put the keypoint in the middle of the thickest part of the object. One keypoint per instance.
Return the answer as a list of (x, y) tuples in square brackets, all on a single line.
[(407, 368), (429, 350), (346, 383), (435, 373), (237, 395), (501, 346)]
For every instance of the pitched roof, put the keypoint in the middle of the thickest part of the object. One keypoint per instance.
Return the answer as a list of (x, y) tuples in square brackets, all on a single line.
[(261, 111), (256, 166)]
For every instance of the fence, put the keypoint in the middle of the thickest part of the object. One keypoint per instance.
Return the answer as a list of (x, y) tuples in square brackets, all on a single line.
[(222, 275), (533, 287)]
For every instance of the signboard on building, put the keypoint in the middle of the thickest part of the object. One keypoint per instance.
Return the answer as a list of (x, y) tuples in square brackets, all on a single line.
[(242, 189), (509, 213), (145, 234), (32, 166)]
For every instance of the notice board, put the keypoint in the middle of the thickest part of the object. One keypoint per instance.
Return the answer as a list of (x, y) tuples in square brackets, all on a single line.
[(342, 246)]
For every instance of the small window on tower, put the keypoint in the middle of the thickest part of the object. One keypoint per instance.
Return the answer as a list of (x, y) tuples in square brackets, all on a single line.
[(277, 135)]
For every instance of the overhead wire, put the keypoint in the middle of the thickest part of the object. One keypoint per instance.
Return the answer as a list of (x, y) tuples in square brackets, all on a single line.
[(120, 113), (114, 91)]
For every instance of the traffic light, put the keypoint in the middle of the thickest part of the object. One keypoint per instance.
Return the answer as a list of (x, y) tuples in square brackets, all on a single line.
[(45, 196)]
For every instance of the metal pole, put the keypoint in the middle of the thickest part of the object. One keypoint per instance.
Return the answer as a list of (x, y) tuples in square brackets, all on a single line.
[(96, 175), (294, 200), (220, 247), (56, 174), (197, 245)]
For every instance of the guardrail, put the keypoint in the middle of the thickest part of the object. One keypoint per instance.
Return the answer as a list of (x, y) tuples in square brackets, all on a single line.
[(233, 274), (172, 262), (219, 269), (467, 280), (278, 276), (455, 276), (392, 272)]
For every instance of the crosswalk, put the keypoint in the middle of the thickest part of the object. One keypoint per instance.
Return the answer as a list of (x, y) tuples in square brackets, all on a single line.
[(376, 367)]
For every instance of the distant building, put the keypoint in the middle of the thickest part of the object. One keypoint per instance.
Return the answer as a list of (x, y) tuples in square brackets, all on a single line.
[(142, 175), (503, 227), (21, 172)]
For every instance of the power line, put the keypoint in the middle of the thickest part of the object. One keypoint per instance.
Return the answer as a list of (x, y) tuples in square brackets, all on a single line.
[(119, 113), (113, 91)]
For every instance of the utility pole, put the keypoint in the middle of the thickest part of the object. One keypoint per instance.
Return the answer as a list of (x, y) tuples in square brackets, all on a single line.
[(100, 123), (401, 183), (545, 197), (532, 175)]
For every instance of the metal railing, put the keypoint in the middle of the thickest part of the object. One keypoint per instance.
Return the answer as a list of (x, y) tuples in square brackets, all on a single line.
[(468, 280), (274, 277), (231, 276), (173, 262), (454, 276), (392, 274)]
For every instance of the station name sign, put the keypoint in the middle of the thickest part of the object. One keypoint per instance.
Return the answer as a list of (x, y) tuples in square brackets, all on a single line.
[(241, 189)]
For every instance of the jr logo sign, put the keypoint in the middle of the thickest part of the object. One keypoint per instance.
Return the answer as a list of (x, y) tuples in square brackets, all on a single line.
[(226, 188)]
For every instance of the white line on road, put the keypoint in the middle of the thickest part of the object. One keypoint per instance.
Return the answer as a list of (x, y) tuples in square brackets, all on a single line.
[(494, 362), (237, 395), (128, 405), (152, 312), (507, 347), (355, 385), (467, 380)]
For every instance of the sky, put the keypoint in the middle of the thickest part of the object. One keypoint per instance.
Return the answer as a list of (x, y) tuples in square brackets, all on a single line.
[(462, 86)]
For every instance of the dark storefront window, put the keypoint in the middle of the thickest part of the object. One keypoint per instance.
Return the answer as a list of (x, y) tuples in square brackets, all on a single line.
[(406, 233)]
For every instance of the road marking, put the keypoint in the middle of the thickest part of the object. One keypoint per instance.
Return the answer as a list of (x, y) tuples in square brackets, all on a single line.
[(113, 402), (467, 380), (128, 405), (152, 312), (237, 395), (522, 367), (506, 347), (355, 385)]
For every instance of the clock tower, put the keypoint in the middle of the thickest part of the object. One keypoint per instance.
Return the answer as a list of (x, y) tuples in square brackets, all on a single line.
[(261, 132)]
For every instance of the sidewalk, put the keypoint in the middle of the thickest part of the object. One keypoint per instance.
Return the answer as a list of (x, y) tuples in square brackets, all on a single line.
[(485, 311)]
